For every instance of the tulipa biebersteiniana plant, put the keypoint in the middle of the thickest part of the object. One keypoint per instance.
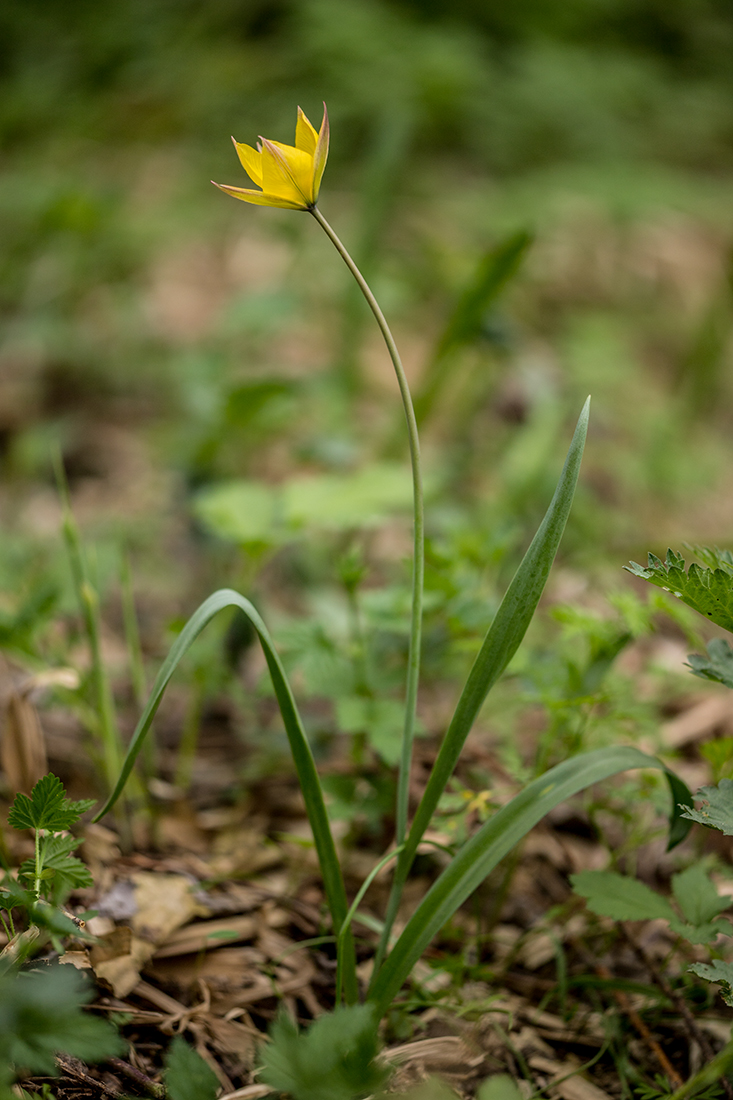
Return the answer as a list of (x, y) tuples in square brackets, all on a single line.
[(290, 177)]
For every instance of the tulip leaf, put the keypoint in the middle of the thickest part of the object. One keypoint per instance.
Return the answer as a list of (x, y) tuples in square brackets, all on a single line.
[(299, 746), (505, 634), (495, 839)]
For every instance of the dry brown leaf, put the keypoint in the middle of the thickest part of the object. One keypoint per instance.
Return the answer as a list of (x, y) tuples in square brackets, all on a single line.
[(224, 971), (23, 750), (207, 935), (566, 1081), (442, 1053), (234, 1039), (164, 903), (161, 904), (122, 971)]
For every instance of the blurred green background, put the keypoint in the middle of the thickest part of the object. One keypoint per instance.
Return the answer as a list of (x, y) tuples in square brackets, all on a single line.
[(540, 193)]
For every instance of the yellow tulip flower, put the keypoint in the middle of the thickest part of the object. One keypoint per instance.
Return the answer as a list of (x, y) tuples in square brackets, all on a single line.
[(289, 175)]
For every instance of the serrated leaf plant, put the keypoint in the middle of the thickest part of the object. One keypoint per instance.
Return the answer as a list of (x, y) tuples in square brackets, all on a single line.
[(290, 177), (44, 881), (33, 1028), (708, 588)]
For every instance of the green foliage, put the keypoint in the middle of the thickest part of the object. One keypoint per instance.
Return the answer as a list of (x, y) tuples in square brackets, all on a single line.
[(708, 588), (53, 872), (187, 1076), (47, 807), (468, 320), (717, 807), (253, 512), (333, 1060), (33, 1029), (495, 839), (717, 971), (612, 895), (499, 1087), (718, 665)]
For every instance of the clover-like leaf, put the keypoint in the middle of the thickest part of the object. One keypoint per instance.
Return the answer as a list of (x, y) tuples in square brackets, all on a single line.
[(47, 808), (707, 590), (717, 807)]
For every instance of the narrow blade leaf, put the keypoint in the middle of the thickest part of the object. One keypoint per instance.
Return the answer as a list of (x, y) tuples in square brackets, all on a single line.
[(478, 857), (299, 746), (504, 636)]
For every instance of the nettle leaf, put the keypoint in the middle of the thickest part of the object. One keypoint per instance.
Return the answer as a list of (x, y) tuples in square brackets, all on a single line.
[(13, 894), (57, 861), (33, 1029), (332, 1060), (717, 971), (49, 917), (697, 897), (717, 807), (707, 590), (717, 666), (47, 808), (187, 1076), (612, 895)]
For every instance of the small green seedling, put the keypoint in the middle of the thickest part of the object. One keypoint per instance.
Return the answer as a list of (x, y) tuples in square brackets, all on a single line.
[(45, 881)]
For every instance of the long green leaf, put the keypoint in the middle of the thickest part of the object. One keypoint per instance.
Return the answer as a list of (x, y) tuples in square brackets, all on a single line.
[(478, 857), (501, 643), (504, 636), (299, 746)]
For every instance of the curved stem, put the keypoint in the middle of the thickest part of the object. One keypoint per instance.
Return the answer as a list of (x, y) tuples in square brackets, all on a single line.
[(418, 569), (341, 941)]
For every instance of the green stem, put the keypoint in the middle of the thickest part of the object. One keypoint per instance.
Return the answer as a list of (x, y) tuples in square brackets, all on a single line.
[(418, 572), (341, 940), (38, 867)]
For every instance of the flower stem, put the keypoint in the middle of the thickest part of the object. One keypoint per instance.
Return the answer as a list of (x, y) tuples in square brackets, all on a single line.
[(418, 568)]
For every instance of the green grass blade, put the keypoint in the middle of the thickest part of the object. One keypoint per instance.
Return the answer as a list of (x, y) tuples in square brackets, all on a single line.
[(299, 746), (478, 857)]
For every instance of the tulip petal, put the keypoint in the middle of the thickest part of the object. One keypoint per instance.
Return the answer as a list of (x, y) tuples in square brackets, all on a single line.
[(259, 198), (251, 161), (287, 171), (321, 154), (305, 134)]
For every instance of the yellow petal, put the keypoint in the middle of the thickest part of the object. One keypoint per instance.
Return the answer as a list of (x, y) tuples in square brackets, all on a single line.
[(287, 171), (320, 155), (251, 161), (305, 134), (259, 198)]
